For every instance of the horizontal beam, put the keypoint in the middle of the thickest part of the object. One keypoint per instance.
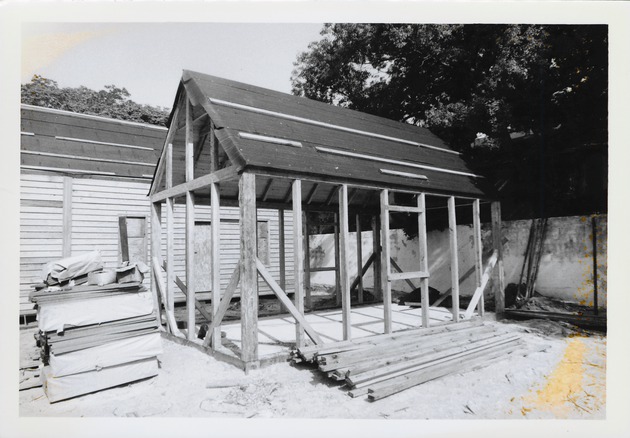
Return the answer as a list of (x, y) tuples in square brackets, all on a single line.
[(226, 174), (404, 209), (407, 275), (324, 269)]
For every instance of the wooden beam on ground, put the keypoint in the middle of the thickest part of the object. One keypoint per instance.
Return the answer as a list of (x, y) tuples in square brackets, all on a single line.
[(224, 305), (386, 286), (452, 232), (156, 247), (479, 291), (478, 247), (357, 220), (424, 257), (298, 259), (215, 254), (66, 250), (282, 296), (249, 276), (497, 243), (344, 259)]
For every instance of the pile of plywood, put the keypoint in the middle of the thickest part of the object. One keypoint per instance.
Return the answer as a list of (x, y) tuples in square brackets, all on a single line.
[(94, 337), (382, 365)]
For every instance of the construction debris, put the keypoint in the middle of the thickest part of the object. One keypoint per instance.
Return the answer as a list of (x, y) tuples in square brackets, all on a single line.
[(382, 365), (93, 337)]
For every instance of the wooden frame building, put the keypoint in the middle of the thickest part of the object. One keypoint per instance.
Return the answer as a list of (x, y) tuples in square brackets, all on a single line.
[(232, 144)]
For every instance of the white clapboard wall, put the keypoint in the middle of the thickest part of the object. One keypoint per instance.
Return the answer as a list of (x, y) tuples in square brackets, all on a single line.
[(95, 208)]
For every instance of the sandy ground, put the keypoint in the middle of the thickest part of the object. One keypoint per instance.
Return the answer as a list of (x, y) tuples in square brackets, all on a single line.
[(559, 374)]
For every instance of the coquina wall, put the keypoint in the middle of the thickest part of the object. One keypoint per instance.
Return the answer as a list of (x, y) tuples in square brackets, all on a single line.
[(566, 267)]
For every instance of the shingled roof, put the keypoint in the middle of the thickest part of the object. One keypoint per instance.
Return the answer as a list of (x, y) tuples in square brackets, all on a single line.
[(87, 145), (270, 132)]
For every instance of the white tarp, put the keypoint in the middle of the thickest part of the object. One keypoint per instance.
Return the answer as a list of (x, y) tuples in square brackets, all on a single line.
[(72, 313), (61, 388), (106, 355), (70, 267)]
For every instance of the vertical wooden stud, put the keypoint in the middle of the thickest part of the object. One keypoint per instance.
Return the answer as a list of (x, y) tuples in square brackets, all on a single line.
[(298, 258), (215, 254), (344, 262), (478, 251), (498, 273), (67, 217), (307, 261), (424, 258), (337, 276), (156, 249), (376, 250), (359, 259), (385, 262), (282, 250), (249, 273), (170, 264), (452, 232), (190, 227)]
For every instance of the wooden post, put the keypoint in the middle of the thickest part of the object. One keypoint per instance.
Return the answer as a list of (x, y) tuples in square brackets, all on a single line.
[(337, 276), (190, 227), (307, 261), (344, 274), (282, 249), (498, 274), (478, 250), (452, 232), (376, 250), (424, 258), (156, 233), (298, 258), (385, 262), (170, 265), (359, 259), (67, 217), (249, 273), (595, 276), (215, 255)]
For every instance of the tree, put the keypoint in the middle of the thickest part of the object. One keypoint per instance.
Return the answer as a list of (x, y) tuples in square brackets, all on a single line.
[(112, 101), (478, 87)]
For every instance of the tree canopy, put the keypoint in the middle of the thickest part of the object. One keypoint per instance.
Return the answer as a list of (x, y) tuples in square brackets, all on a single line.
[(112, 101)]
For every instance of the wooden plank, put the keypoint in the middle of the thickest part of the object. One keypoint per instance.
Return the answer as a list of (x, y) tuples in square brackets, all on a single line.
[(124, 239), (338, 298), (365, 268), (226, 174), (407, 275), (215, 242), (452, 233), (265, 192), (499, 276), (385, 262), (344, 262), (67, 217), (249, 277), (293, 310), (478, 247), (190, 224), (478, 294), (404, 209), (169, 166), (298, 258), (311, 193), (170, 257), (423, 254), (282, 249), (376, 251), (360, 273), (161, 289), (224, 305), (307, 261)]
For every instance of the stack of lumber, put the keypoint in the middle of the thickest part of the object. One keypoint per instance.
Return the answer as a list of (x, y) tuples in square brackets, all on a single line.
[(95, 337), (382, 365)]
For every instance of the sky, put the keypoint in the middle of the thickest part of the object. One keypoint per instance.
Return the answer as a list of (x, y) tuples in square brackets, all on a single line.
[(148, 58)]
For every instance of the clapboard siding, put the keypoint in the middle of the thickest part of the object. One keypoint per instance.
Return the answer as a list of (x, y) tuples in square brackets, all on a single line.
[(41, 236)]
